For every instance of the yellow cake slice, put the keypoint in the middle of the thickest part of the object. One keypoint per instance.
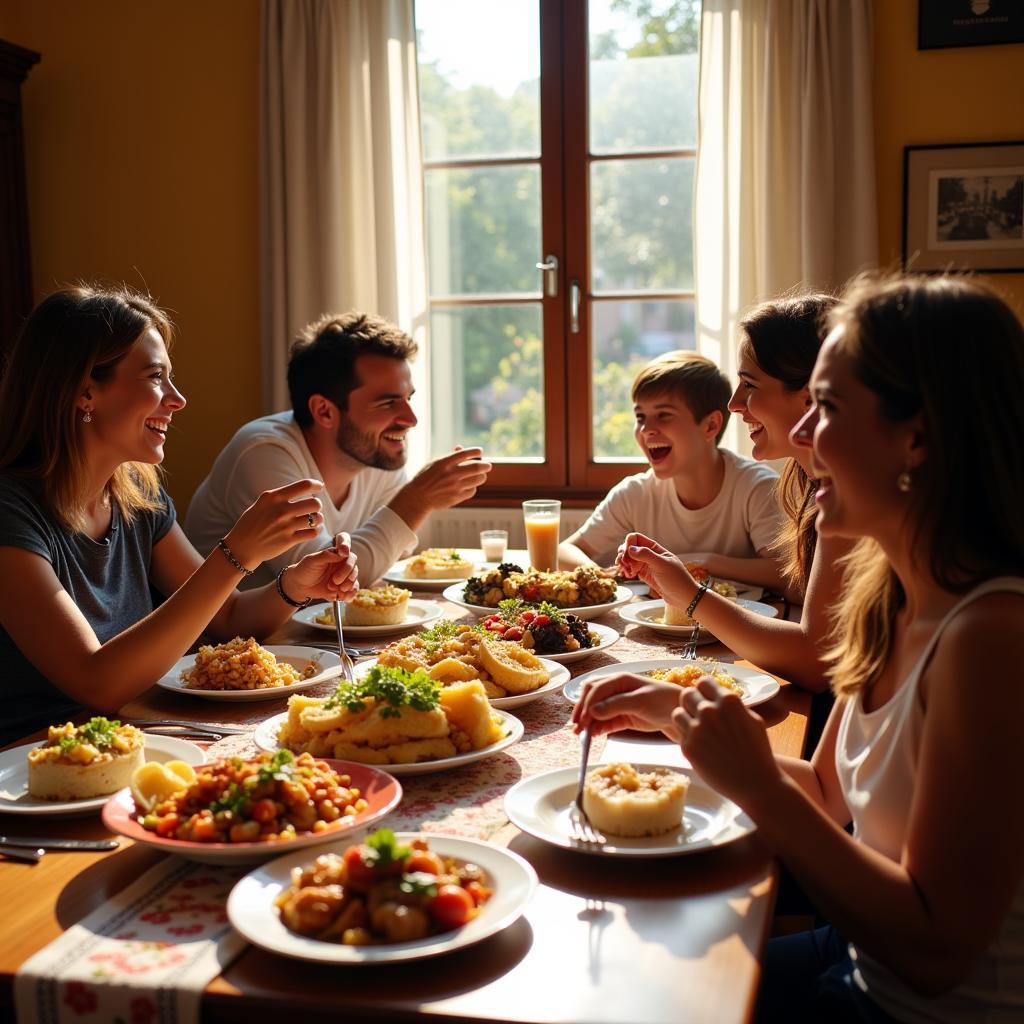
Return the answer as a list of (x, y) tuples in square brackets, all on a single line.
[(84, 761), (438, 564), (372, 606), (622, 801)]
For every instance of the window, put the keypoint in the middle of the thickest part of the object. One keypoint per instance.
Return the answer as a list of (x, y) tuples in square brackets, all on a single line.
[(558, 133)]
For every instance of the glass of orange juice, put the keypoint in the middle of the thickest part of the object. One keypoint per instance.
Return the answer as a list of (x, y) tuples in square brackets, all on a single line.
[(541, 517)]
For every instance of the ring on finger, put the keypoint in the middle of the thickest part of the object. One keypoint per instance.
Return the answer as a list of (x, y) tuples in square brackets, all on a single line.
[(311, 519)]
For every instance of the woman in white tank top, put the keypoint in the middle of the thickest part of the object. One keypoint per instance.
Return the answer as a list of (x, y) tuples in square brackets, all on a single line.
[(916, 429)]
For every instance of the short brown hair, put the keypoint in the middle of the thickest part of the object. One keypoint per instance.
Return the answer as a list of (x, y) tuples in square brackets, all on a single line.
[(323, 357), (693, 378)]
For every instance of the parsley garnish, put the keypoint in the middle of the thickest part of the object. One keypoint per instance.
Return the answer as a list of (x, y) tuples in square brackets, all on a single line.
[(395, 687), (553, 611), (511, 608), (383, 849), (445, 630), (97, 731)]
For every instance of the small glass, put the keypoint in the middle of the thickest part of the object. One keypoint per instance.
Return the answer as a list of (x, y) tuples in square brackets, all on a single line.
[(541, 518), (493, 543)]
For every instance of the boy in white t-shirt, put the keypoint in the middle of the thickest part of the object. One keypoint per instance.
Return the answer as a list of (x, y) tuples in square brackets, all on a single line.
[(702, 503)]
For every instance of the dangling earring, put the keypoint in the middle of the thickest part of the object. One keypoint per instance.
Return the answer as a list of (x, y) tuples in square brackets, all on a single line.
[(87, 416), (904, 481)]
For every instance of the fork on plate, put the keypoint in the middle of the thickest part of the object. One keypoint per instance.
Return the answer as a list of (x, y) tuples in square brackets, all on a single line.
[(581, 830)]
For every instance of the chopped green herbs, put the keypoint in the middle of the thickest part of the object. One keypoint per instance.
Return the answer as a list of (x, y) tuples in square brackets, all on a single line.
[(445, 630), (396, 687), (384, 849), (97, 731)]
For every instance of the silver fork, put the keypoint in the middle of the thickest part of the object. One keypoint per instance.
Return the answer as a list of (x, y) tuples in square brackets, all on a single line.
[(348, 670), (581, 830), (689, 651)]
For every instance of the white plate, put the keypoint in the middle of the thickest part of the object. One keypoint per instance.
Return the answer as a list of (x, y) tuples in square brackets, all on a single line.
[(300, 657), (758, 687), (419, 615), (647, 613), (14, 798), (559, 677), (750, 591), (252, 912), (396, 574), (607, 636), (584, 611), (540, 805), (265, 737)]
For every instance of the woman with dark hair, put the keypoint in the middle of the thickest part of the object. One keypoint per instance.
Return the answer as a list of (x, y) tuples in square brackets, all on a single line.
[(86, 529), (914, 438), (781, 339)]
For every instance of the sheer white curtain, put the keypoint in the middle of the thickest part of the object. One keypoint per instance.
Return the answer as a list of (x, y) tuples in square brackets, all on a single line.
[(341, 219), (785, 190)]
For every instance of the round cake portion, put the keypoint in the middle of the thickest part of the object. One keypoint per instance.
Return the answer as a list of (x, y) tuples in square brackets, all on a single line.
[(84, 761), (438, 564), (623, 801), (378, 606)]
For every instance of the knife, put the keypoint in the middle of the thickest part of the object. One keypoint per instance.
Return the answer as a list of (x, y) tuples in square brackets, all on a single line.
[(60, 844)]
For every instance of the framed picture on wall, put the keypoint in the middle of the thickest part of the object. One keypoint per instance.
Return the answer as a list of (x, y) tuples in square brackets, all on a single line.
[(963, 207), (943, 23)]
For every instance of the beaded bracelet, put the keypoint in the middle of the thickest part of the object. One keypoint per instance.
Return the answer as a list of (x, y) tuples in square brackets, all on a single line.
[(231, 558), (702, 589), (284, 597)]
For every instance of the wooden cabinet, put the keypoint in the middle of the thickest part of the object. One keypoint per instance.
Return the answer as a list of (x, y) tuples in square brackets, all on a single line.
[(15, 267)]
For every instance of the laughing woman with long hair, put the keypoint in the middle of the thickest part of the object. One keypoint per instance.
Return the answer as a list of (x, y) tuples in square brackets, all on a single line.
[(780, 341), (87, 530), (914, 438)]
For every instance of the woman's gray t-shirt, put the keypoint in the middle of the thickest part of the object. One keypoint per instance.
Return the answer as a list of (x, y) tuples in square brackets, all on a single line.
[(107, 579)]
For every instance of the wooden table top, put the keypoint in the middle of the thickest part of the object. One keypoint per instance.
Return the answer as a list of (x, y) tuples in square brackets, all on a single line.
[(604, 939)]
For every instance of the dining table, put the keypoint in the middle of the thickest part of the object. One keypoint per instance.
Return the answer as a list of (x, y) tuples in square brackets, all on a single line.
[(603, 940)]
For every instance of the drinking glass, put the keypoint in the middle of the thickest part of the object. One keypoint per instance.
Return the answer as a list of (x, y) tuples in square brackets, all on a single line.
[(493, 544), (541, 517)]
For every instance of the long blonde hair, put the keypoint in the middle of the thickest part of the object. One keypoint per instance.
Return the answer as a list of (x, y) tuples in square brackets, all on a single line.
[(785, 336), (74, 335), (951, 351)]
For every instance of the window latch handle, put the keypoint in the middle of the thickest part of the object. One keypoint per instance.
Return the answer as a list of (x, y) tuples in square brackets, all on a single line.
[(550, 268), (574, 307)]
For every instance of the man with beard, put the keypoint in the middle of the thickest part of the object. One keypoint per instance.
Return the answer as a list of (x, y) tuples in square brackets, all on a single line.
[(350, 387)]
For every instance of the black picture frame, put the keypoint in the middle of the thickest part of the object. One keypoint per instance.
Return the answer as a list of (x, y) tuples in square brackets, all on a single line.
[(945, 23), (963, 207)]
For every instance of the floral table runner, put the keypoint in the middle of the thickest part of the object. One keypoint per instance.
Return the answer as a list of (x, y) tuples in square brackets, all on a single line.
[(144, 957)]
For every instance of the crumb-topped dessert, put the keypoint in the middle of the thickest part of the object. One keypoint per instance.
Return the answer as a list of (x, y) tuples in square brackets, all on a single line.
[(372, 606), (623, 801), (438, 564), (82, 761)]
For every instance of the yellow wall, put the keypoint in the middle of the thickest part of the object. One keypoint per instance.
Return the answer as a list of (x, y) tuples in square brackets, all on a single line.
[(141, 138), (931, 97), (141, 148)]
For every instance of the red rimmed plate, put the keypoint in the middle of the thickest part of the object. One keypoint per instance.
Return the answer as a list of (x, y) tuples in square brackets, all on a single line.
[(381, 791)]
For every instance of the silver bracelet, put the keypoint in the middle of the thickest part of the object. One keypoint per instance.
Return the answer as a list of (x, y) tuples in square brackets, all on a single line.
[(702, 589), (231, 558), (284, 597)]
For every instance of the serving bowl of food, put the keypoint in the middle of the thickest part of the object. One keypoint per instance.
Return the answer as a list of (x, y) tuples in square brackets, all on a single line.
[(246, 810), (401, 720), (388, 899)]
